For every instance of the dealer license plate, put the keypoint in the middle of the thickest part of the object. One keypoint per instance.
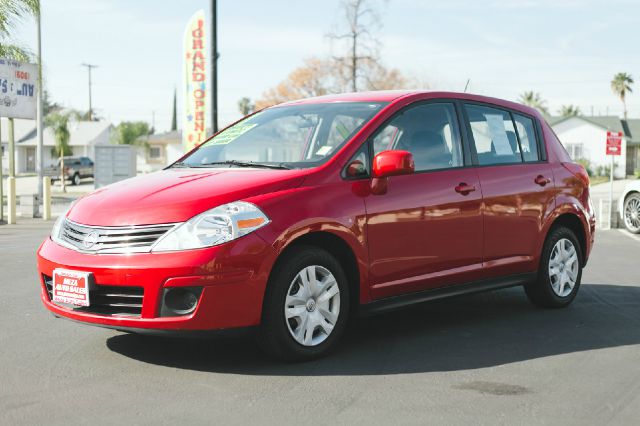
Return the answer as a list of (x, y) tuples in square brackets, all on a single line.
[(71, 287)]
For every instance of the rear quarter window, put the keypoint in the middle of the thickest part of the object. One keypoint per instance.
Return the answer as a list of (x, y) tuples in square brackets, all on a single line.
[(528, 139)]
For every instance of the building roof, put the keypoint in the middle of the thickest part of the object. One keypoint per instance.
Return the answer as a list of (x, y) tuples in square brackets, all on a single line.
[(630, 128), (82, 133), (21, 129), (173, 136)]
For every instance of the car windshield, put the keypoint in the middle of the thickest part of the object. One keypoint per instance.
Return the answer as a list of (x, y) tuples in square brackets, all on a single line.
[(296, 136)]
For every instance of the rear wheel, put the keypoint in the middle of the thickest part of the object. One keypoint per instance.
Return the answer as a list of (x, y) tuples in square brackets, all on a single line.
[(75, 179), (306, 306), (632, 213), (560, 271)]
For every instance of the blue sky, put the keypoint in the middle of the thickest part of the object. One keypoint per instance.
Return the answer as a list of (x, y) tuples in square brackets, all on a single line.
[(568, 50)]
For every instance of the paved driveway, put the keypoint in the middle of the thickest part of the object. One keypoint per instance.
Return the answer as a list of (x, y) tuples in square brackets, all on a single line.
[(483, 359)]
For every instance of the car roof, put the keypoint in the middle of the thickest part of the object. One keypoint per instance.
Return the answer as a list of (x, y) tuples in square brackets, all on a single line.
[(395, 95)]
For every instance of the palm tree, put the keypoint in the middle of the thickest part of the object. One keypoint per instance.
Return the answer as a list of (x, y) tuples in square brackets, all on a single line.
[(534, 100), (12, 12), (621, 85), (570, 110), (59, 124)]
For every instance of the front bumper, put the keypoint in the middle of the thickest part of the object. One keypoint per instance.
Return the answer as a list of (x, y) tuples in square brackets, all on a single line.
[(233, 277)]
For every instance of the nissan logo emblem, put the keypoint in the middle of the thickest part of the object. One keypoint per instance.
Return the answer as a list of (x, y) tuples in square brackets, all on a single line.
[(90, 240)]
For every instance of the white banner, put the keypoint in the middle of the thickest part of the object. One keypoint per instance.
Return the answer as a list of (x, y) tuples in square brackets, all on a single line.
[(196, 54), (18, 89)]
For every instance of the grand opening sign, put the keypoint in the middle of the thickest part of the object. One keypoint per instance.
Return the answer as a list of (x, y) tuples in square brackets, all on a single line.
[(18, 89), (195, 117)]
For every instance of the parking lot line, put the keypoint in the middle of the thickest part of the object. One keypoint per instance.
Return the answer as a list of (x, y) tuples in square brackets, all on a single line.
[(630, 235)]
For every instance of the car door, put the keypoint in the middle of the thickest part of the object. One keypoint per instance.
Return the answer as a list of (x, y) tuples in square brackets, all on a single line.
[(517, 186), (426, 230), (87, 167)]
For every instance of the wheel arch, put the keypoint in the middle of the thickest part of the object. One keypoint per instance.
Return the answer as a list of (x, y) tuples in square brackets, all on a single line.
[(338, 248), (575, 224)]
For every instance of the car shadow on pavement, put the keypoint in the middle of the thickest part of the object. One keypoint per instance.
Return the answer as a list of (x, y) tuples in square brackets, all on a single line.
[(467, 332)]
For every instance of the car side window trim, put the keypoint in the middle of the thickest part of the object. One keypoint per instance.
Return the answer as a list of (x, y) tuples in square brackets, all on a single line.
[(519, 142)]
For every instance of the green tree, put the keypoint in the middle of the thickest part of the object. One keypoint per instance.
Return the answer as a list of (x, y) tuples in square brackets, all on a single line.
[(59, 125), (621, 85), (534, 100), (129, 132), (49, 106), (245, 106), (570, 110), (11, 13)]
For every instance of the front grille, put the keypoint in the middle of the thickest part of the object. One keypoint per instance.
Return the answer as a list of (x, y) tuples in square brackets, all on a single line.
[(112, 239), (108, 300)]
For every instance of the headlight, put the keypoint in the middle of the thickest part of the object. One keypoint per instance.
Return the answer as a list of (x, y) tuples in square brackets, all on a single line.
[(213, 227), (57, 227)]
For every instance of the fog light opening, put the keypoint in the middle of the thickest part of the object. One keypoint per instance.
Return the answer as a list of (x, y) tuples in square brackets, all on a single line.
[(180, 300)]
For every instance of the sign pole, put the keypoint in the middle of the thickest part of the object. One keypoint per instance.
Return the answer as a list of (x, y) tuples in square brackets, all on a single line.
[(12, 149), (1, 181), (39, 111), (214, 67), (611, 191), (614, 147)]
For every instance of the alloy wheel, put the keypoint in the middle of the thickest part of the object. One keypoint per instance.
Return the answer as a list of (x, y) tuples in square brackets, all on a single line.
[(563, 267), (632, 214), (312, 305)]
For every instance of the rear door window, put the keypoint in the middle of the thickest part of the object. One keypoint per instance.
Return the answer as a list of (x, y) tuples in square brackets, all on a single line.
[(494, 135)]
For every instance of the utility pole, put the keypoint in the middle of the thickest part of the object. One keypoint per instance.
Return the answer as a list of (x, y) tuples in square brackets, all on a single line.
[(214, 66), (39, 109), (89, 67)]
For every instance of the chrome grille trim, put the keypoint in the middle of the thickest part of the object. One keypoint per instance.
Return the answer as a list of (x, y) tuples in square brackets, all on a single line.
[(106, 300), (112, 239)]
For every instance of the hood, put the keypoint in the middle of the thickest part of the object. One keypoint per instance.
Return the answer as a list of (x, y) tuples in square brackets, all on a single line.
[(176, 195)]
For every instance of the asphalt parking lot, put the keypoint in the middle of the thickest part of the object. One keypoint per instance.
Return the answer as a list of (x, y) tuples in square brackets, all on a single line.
[(480, 359)]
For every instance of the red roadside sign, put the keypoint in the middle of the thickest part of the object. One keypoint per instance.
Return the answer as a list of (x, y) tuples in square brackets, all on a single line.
[(614, 143)]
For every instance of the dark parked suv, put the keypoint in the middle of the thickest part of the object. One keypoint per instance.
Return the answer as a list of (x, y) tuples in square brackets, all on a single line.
[(75, 168)]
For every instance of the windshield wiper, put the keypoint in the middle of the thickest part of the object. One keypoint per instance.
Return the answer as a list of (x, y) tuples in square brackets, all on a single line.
[(244, 164), (179, 164)]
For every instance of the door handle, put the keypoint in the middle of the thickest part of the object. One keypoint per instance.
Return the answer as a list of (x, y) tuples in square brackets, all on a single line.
[(541, 180), (464, 189)]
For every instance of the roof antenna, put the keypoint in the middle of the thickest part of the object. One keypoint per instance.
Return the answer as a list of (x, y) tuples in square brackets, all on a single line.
[(466, 86)]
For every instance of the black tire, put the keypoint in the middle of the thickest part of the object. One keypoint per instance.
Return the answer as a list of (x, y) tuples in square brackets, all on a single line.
[(541, 292), (274, 335), (631, 203), (75, 180)]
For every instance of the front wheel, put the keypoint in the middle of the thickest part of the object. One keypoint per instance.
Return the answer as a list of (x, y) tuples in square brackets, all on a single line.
[(632, 213), (560, 271), (75, 180), (306, 306)]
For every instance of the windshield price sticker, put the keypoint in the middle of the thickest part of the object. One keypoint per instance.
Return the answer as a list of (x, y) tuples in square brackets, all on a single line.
[(231, 134)]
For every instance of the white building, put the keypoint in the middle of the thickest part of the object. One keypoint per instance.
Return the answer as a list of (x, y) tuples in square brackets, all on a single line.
[(84, 136), (159, 150), (585, 138)]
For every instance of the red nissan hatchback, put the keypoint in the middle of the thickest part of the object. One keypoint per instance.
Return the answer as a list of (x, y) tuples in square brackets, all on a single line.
[(303, 214)]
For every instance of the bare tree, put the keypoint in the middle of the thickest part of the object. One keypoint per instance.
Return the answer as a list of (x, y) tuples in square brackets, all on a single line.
[(357, 32)]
